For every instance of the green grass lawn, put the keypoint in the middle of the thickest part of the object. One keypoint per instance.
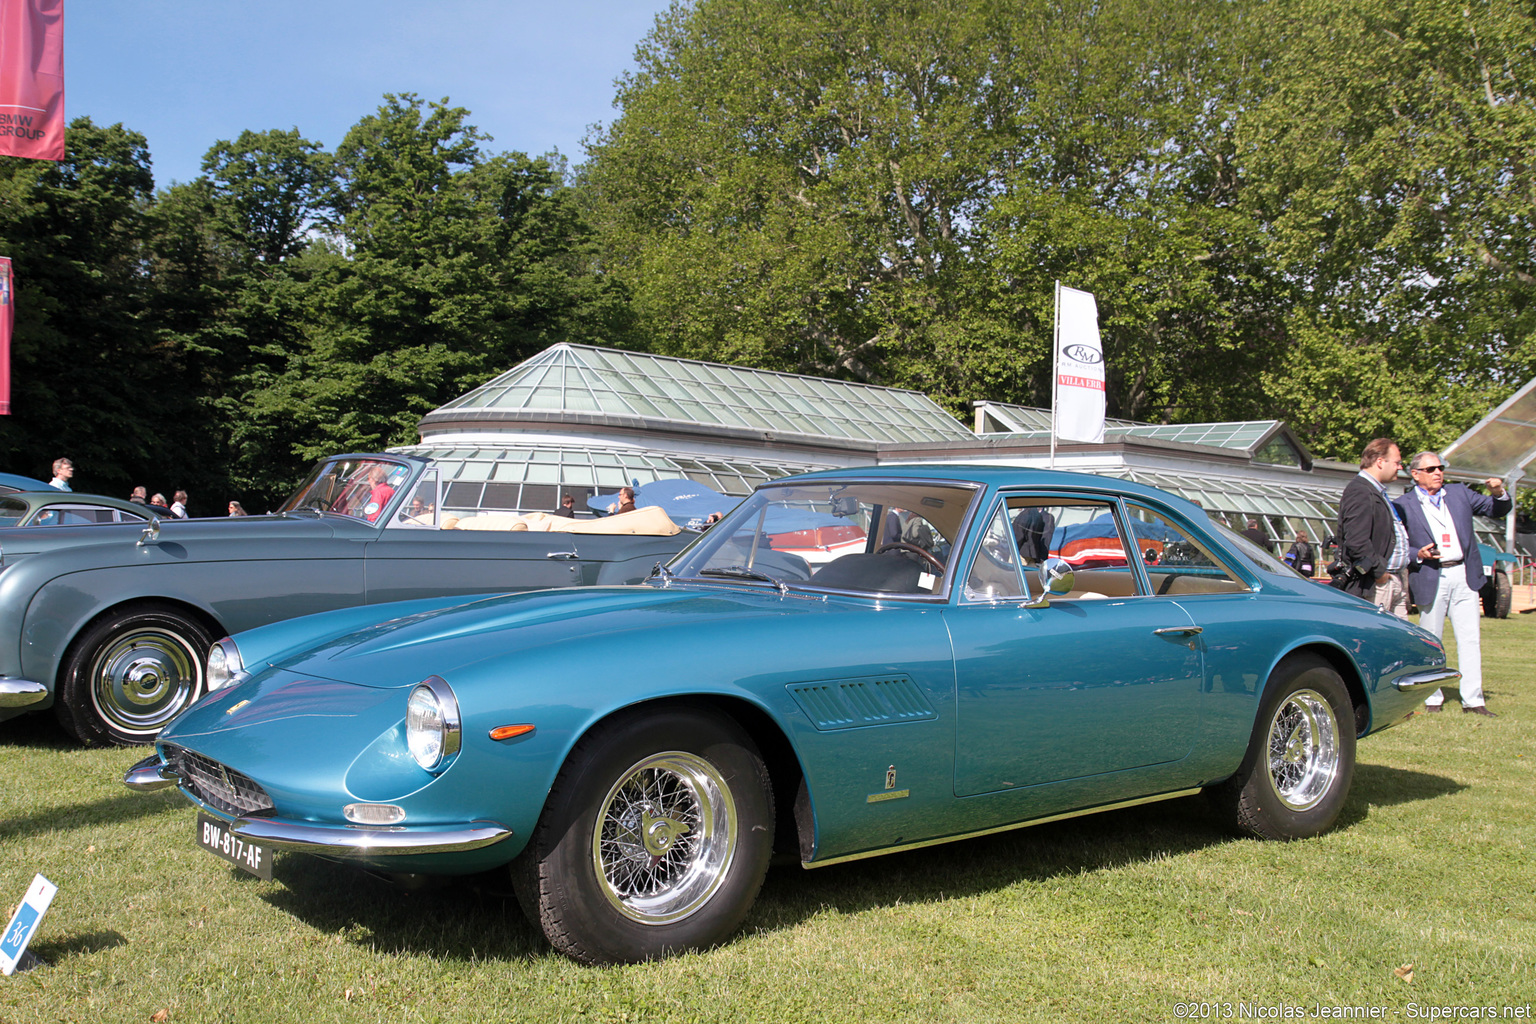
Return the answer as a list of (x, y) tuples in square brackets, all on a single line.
[(1115, 917)]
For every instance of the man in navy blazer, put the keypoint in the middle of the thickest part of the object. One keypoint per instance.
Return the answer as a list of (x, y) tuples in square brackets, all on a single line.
[(1446, 570)]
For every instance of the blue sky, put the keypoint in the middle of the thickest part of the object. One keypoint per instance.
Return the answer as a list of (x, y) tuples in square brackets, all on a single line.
[(187, 73)]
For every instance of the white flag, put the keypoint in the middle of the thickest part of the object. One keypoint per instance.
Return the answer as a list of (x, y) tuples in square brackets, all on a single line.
[(1079, 368)]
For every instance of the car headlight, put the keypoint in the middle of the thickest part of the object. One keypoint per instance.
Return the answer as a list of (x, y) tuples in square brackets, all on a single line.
[(432, 723), (224, 665)]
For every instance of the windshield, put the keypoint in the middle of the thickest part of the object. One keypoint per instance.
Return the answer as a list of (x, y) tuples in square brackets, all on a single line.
[(868, 536), (361, 487)]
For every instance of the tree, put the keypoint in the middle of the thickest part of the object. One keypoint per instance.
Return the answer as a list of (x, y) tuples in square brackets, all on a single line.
[(438, 267), (887, 192), (89, 378), (1391, 166)]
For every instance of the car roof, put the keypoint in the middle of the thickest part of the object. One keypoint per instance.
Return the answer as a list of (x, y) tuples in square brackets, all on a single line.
[(52, 496), (995, 476), (17, 482)]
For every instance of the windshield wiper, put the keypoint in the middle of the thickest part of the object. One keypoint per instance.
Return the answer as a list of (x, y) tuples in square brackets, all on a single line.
[(742, 572)]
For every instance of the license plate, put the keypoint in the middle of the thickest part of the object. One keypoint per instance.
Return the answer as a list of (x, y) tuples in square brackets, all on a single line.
[(215, 837)]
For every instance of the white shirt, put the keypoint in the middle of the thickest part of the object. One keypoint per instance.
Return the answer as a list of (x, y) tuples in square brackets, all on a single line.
[(1441, 526)]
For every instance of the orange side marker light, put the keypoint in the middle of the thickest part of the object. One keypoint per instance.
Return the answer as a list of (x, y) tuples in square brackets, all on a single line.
[(506, 732)]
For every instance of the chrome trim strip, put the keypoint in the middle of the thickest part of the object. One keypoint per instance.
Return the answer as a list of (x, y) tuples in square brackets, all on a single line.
[(20, 693), (351, 841), (1001, 828), (150, 774), (1425, 680)]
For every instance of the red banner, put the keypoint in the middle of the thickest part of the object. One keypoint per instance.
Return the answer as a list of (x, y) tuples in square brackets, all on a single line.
[(32, 79), (7, 319)]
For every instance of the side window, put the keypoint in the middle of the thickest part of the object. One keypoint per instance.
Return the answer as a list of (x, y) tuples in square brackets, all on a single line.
[(1177, 563), (420, 509), (11, 511), (995, 570), (1086, 534)]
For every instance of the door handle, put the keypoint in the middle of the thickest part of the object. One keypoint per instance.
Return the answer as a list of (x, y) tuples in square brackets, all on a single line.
[(562, 554), (1178, 631)]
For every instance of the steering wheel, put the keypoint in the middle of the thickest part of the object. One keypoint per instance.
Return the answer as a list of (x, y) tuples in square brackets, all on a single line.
[(902, 546)]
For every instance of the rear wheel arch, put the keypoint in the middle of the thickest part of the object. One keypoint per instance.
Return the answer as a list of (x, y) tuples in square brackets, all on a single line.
[(1297, 770), (1348, 671)]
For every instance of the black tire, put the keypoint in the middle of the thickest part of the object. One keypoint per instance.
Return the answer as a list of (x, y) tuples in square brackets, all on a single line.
[(1498, 596), (1301, 757), (129, 673), (611, 880)]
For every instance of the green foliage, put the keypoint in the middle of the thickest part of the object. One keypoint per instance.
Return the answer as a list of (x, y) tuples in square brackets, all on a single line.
[(1304, 209), (290, 303)]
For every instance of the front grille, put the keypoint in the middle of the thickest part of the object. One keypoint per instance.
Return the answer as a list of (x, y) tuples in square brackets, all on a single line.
[(217, 786)]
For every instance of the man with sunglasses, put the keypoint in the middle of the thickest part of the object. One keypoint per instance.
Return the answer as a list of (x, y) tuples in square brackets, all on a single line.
[(1446, 570)]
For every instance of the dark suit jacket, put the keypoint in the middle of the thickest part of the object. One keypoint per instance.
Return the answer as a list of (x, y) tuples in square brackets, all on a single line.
[(1424, 577), (1365, 534)]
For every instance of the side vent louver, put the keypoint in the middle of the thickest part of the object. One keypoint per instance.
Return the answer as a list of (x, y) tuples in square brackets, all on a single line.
[(872, 700)]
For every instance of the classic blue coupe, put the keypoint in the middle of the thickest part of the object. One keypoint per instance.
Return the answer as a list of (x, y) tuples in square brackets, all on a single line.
[(1004, 647)]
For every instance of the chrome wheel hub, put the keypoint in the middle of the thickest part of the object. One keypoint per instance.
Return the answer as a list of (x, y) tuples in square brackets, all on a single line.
[(1303, 752), (665, 836), (143, 679)]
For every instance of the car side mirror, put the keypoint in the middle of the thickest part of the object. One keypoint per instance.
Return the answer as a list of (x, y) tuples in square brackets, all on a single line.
[(151, 534), (1057, 577)]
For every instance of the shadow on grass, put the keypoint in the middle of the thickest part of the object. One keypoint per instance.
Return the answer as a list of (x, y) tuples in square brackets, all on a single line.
[(464, 920), (56, 950), (461, 919), (109, 811), (36, 731), (1382, 786)]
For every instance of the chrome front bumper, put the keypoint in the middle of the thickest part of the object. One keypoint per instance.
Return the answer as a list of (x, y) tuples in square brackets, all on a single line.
[(340, 841), (21, 693), (1430, 680)]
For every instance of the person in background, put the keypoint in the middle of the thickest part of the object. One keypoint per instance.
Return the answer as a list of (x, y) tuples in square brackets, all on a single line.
[(237, 509), (1299, 557), (1255, 533), (63, 469), (1446, 568), (567, 508), (139, 496), (1373, 543), (179, 506), (626, 502)]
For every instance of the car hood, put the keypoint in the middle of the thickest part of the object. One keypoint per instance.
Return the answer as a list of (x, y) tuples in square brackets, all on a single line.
[(399, 651)]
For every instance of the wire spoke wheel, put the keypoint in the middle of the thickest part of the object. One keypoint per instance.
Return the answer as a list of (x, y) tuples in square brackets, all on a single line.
[(654, 839), (1303, 750), (1295, 776), (665, 838)]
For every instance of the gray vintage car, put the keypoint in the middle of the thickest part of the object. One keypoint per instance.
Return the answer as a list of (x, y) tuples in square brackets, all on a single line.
[(110, 625)]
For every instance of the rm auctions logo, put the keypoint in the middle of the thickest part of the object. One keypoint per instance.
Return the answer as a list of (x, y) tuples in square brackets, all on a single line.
[(1082, 353)]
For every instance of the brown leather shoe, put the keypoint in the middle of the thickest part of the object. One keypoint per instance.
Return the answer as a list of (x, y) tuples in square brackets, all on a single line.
[(1481, 709), (1432, 708)]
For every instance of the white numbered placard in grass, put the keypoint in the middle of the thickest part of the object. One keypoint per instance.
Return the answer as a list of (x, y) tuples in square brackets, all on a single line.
[(23, 923)]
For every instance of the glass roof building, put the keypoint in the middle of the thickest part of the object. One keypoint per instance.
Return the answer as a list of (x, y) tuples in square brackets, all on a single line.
[(584, 420)]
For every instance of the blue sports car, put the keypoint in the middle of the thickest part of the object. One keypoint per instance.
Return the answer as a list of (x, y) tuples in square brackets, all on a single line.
[(850, 663)]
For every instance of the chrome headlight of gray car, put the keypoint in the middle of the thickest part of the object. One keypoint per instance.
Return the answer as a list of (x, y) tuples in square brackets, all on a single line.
[(225, 666), (432, 728)]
